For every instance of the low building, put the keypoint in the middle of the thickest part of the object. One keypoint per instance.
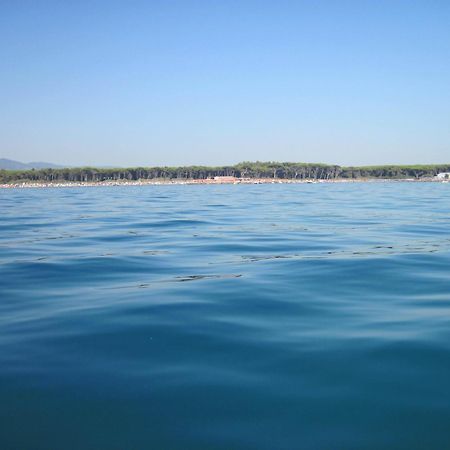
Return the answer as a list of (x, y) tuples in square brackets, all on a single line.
[(443, 176), (225, 179)]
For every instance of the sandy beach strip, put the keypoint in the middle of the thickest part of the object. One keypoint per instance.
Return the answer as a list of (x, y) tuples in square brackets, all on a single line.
[(107, 183)]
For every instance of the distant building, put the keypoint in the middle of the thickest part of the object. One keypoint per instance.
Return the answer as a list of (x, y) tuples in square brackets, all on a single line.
[(225, 179), (443, 176)]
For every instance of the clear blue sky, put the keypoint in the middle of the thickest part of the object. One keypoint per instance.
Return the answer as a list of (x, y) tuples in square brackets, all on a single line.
[(219, 81)]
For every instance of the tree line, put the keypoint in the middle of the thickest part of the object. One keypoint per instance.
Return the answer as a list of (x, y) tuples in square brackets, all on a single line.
[(293, 171)]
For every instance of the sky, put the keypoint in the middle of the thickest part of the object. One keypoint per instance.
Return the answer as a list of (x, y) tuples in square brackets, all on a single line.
[(128, 83)]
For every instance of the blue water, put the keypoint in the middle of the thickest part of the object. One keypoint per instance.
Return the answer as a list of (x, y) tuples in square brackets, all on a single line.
[(225, 317)]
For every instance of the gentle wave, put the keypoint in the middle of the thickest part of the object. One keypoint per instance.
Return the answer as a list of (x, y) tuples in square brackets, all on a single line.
[(259, 316)]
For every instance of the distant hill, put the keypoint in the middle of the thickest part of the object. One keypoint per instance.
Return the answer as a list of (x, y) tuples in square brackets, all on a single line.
[(10, 164)]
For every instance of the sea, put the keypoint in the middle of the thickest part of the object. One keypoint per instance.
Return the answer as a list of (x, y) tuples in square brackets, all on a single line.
[(271, 316)]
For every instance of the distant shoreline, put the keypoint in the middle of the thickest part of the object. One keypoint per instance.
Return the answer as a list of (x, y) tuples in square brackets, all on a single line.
[(242, 173), (110, 183)]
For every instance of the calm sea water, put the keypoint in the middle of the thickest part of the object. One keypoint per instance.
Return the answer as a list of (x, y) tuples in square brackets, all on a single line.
[(225, 317)]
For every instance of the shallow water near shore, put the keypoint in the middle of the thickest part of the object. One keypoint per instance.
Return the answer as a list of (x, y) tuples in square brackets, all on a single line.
[(217, 317)]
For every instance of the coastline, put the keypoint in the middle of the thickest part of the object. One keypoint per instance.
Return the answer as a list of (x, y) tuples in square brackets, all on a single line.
[(107, 183)]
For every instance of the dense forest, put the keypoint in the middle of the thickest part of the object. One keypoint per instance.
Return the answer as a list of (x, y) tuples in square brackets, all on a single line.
[(296, 171)]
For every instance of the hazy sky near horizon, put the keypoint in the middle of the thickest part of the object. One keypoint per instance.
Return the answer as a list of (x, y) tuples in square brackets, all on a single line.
[(218, 82)]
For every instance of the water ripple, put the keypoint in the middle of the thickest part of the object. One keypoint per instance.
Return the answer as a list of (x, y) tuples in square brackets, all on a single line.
[(259, 316)]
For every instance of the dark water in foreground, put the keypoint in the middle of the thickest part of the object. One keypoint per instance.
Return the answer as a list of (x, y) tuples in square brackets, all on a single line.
[(220, 317)]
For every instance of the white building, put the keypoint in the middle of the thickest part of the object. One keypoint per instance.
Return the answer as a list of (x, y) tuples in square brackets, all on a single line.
[(443, 176)]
